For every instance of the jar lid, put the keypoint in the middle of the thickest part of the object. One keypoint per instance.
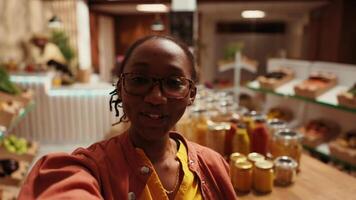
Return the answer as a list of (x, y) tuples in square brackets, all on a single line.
[(285, 162), (259, 118), (243, 164), (277, 123), (289, 135), (236, 156), (221, 126), (264, 164), (254, 157)]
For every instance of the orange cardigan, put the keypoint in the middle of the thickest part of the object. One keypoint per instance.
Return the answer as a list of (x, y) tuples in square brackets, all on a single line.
[(112, 169)]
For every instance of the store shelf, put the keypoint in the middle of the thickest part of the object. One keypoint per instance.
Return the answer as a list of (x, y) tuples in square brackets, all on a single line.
[(23, 112), (328, 99)]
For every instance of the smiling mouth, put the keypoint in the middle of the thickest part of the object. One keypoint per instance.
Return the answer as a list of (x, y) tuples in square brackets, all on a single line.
[(153, 116)]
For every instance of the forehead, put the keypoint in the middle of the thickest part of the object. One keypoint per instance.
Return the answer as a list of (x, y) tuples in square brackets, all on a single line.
[(159, 56)]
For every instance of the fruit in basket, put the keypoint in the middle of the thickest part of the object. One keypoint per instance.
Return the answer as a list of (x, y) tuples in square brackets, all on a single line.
[(8, 166), (16, 145)]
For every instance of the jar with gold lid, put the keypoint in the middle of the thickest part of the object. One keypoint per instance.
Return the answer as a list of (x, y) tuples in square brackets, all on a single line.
[(254, 157), (263, 176), (274, 125), (287, 143), (285, 169), (235, 157), (242, 179)]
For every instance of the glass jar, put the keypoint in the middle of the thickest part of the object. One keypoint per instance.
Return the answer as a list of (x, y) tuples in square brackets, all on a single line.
[(241, 140), (259, 136), (254, 157), (199, 125), (287, 143), (242, 178), (274, 125), (215, 137), (285, 170), (263, 176)]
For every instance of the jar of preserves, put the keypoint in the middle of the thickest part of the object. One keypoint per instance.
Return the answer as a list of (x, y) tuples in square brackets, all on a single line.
[(254, 157), (263, 176), (287, 143), (199, 125), (242, 179), (259, 136), (235, 157), (241, 140), (274, 125), (215, 136), (285, 169)]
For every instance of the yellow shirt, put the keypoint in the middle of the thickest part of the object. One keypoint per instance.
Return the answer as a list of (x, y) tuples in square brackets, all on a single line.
[(188, 189)]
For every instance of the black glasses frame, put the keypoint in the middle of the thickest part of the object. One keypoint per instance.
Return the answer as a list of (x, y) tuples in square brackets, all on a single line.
[(155, 81)]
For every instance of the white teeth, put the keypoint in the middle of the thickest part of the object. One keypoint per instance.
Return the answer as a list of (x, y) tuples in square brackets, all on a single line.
[(154, 116)]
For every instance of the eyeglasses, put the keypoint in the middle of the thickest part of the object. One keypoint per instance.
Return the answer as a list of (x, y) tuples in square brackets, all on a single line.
[(172, 87)]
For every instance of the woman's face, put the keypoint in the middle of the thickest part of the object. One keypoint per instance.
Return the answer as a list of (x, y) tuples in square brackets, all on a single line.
[(152, 115)]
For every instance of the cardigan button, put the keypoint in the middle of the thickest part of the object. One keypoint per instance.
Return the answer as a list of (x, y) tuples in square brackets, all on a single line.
[(145, 170), (131, 196)]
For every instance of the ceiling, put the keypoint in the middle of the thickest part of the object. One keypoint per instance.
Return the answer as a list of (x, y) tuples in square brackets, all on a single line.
[(280, 10)]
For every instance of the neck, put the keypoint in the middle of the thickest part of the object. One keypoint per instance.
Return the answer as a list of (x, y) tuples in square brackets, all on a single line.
[(155, 150)]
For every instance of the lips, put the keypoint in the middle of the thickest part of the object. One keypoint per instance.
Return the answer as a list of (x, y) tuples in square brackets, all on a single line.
[(152, 115)]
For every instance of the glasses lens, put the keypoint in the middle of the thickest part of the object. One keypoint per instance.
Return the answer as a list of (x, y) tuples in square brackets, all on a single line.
[(175, 87), (137, 84)]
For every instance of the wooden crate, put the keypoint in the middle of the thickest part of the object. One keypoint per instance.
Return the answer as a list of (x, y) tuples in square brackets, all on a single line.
[(28, 156), (343, 153), (313, 93), (24, 97), (347, 99), (16, 178), (272, 84)]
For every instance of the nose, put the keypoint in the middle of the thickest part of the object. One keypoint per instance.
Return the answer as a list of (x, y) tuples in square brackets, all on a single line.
[(155, 96)]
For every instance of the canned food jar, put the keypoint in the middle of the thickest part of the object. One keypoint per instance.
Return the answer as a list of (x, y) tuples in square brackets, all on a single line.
[(199, 125), (254, 157), (274, 125), (285, 170), (287, 143), (241, 140), (236, 156), (215, 137), (263, 176), (259, 136), (243, 176)]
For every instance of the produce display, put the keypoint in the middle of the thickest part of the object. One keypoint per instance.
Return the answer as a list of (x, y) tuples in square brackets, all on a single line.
[(6, 85), (16, 145), (344, 147), (318, 131), (348, 98), (317, 84), (7, 167), (276, 78)]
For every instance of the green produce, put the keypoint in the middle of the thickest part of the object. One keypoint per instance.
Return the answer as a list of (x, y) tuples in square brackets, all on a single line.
[(6, 85), (16, 145)]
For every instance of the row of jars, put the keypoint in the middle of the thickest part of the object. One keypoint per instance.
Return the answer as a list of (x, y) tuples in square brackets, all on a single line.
[(255, 172), (249, 133)]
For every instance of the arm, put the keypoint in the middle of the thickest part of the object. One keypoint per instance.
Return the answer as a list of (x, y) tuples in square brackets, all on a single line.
[(60, 176)]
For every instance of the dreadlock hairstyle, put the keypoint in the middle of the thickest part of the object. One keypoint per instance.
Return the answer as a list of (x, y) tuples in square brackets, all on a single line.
[(115, 100)]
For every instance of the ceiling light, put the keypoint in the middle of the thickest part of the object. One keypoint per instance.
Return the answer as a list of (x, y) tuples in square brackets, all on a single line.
[(152, 8), (253, 14)]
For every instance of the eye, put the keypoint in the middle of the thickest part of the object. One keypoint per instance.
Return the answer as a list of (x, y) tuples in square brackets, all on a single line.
[(136, 79), (175, 82)]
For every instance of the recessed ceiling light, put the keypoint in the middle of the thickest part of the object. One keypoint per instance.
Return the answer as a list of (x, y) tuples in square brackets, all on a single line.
[(157, 8), (253, 14)]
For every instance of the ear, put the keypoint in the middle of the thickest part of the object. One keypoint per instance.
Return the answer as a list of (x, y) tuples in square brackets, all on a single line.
[(193, 92)]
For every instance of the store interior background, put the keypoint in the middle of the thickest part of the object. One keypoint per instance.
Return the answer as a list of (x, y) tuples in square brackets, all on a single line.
[(101, 30)]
